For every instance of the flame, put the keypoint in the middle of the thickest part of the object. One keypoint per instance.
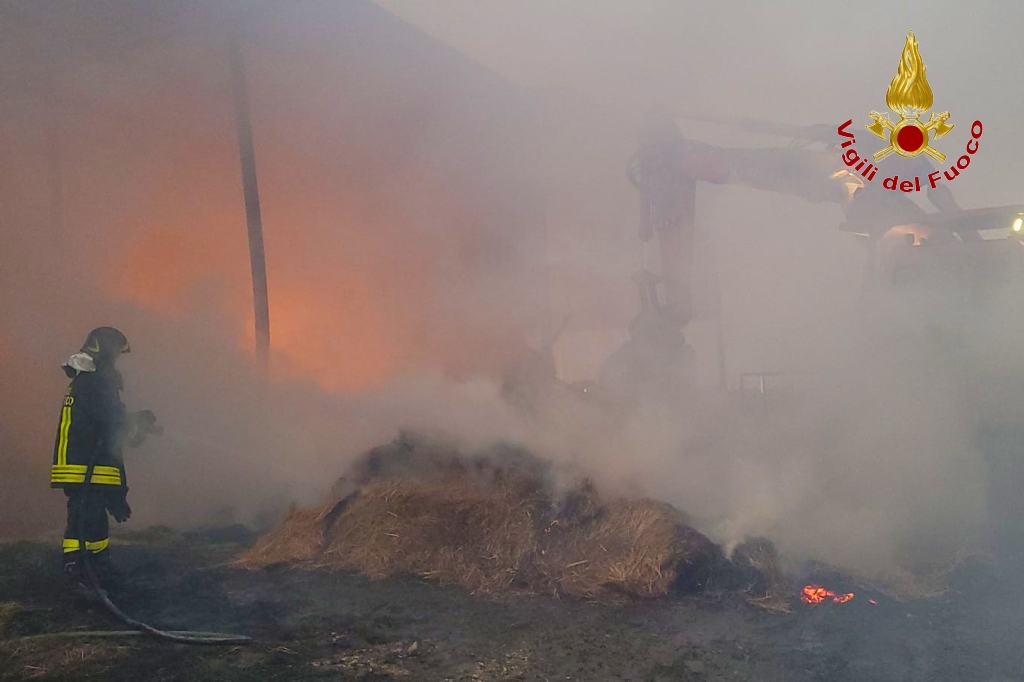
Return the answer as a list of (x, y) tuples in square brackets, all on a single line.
[(909, 93), (816, 594), (350, 307)]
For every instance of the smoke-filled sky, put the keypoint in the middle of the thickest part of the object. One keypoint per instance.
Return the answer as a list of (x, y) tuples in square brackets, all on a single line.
[(798, 61), (442, 182), (787, 62)]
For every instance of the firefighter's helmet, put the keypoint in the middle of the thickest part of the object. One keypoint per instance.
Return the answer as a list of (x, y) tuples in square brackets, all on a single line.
[(105, 342)]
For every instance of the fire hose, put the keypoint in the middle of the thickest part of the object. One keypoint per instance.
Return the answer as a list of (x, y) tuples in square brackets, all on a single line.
[(179, 636)]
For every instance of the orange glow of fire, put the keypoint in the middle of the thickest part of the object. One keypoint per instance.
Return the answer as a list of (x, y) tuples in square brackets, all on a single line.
[(339, 327), (350, 313), (816, 594), (170, 270)]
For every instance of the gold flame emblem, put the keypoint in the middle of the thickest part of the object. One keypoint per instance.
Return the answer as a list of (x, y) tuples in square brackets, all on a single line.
[(909, 95)]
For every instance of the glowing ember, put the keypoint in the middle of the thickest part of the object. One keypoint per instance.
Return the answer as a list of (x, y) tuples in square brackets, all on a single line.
[(816, 594)]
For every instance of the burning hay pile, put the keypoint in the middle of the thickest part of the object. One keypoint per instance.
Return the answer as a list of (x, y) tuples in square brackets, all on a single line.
[(494, 527)]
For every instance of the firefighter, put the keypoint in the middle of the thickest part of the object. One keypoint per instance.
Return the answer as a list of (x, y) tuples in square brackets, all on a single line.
[(93, 426)]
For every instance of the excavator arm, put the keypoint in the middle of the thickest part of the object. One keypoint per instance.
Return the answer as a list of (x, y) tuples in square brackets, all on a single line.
[(810, 175), (814, 175)]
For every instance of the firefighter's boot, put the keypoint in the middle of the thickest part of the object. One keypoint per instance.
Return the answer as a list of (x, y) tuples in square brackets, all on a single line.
[(75, 580)]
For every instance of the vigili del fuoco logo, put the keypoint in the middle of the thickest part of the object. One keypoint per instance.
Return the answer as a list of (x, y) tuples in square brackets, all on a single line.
[(909, 96)]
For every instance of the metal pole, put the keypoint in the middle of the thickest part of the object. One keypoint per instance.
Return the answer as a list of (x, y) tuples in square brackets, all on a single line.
[(253, 219)]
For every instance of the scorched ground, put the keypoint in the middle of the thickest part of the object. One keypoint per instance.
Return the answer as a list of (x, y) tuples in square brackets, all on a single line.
[(339, 626)]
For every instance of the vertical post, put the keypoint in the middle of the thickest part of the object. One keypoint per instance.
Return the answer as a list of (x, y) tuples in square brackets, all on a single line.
[(250, 189)]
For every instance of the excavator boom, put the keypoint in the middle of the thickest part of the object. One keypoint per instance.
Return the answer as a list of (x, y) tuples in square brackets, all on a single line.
[(814, 176)]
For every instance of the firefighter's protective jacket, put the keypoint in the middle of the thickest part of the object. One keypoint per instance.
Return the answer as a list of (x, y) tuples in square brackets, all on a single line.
[(92, 424)]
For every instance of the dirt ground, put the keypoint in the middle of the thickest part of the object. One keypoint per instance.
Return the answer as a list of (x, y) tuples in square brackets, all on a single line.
[(340, 626)]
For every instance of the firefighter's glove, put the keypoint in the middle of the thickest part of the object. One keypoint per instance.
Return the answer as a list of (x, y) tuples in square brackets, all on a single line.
[(117, 505), (144, 424)]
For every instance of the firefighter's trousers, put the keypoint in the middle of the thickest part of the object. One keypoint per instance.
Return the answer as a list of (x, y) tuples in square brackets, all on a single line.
[(88, 526)]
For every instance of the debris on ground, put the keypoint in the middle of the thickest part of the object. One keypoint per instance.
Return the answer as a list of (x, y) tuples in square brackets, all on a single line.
[(382, 660), (42, 658), (407, 629), (766, 585)]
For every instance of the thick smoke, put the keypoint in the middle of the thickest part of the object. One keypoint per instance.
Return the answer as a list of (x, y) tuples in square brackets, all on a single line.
[(425, 220)]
